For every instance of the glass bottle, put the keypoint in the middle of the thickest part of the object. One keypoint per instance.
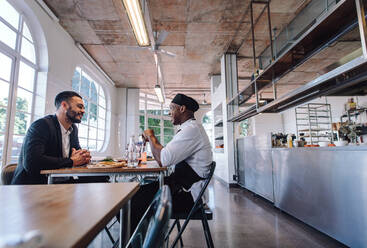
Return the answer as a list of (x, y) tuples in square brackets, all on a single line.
[(132, 158)]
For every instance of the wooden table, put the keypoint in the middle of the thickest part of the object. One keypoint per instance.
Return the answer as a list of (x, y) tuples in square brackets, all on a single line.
[(149, 169), (68, 215)]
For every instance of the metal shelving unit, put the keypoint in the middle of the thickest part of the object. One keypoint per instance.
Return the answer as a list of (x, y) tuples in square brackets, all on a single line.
[(218, 129), (315, 122)]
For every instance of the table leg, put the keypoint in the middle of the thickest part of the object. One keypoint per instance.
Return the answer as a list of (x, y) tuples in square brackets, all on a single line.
[(124, 225), (161, 179), (49, 179)]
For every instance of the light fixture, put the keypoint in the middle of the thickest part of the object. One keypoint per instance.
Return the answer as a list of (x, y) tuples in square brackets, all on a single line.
[(135, 14), (158, 92)]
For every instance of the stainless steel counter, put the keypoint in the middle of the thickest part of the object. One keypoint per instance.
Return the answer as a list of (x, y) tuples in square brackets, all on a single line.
[(255, 165), (325, 187)]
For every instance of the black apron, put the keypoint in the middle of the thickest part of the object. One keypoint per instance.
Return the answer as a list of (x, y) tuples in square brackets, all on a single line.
[(182, 178)]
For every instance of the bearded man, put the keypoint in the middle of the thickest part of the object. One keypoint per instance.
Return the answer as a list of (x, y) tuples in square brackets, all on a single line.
[(52, 141)]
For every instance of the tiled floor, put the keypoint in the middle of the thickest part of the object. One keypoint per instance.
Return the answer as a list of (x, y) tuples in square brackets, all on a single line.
[(244, 220)]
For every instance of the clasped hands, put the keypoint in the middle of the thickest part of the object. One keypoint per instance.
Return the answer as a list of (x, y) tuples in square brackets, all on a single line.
[(80, 157)]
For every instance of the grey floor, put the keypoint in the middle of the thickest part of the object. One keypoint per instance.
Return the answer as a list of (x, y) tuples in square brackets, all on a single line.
[(242, 219)]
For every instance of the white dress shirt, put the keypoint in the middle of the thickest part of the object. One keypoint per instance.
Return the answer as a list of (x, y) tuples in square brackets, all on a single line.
[(191, 144), (65, 137)]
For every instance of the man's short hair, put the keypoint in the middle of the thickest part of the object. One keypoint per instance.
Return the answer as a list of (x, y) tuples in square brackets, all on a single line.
[(65, 96)]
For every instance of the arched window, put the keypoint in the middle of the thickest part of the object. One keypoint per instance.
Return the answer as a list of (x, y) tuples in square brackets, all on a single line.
[(18, 76), (92, 129)]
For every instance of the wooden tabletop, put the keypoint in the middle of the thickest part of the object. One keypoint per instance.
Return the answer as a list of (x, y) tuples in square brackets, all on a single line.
[(149, 167), (68, 215)]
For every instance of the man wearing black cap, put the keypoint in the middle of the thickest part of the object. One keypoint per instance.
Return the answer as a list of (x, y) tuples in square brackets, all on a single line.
[(189, 151)]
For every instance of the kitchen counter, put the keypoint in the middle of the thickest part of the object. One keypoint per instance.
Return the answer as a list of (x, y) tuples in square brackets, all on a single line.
[(325, 187), (329, 148)]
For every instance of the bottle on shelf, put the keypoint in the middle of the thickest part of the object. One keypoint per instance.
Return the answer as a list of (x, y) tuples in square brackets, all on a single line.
[(289, 141)]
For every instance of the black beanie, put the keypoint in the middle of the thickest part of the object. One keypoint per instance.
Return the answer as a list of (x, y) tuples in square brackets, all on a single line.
[(190, 103)]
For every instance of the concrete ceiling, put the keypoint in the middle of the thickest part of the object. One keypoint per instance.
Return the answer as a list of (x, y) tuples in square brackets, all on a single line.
[(199, 32)]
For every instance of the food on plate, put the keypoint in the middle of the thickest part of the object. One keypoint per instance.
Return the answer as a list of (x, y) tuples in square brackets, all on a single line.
[(108, 159), (107, 164)]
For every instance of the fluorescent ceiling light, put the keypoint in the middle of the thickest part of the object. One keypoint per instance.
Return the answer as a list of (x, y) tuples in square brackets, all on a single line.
[(137, 22), (158, 92)]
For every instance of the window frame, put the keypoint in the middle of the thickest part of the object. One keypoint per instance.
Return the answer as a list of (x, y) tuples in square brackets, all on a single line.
[(15, 54), (99, 119)]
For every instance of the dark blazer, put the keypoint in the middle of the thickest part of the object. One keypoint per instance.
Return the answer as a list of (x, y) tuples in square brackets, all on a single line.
[(42, 150)]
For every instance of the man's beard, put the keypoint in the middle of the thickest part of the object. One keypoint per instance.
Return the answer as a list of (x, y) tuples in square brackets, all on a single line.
[(71, 114)]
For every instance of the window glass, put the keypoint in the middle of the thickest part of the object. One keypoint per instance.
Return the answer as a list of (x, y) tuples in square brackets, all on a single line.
[(26, 76), (93, 126), (24, 101), (75, 81), (9, 14), (28, 50), (85, 85), (22, 122), (169, 131), (158, 119), (2, 120), (1, 145), (93, 92), (4, 93), (5, 68), (92, 120), (99, 145), (7, 35), (142, 123), (168, 123), (26, 32), (102, 102), (100, 134), (24, 87), (83, 131)]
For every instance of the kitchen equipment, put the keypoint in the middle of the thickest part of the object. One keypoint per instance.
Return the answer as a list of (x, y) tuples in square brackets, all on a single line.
[(341, 143), (323, 143)]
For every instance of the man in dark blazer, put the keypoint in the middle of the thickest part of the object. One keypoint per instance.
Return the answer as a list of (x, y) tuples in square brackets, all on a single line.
[(52, 141)]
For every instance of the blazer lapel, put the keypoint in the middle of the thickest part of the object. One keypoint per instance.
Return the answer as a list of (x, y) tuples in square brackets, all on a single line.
[(58, 135)]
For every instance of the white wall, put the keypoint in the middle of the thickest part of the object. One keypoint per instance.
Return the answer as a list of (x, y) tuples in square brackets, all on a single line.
[(58, 59), (266, 123)]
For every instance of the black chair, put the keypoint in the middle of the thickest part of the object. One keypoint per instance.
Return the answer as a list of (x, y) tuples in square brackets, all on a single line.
[(7, 173), (199, 211), (153, 227)]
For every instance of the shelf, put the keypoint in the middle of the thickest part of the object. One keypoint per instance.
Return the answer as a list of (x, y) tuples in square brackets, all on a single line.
[(320, 34), (219, 123), (219, 150), (354, 112), (317, 136), (219, 138), (314, 124), (314, 130)]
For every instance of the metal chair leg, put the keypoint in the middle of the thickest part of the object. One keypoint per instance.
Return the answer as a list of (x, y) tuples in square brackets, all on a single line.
[(109, 235), (182, 229), (179, 229), (208, 236), (170, 230)]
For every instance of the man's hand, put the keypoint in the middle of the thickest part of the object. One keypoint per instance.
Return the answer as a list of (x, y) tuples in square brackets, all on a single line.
[(148, 134), (155, 146), (80, 157)]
